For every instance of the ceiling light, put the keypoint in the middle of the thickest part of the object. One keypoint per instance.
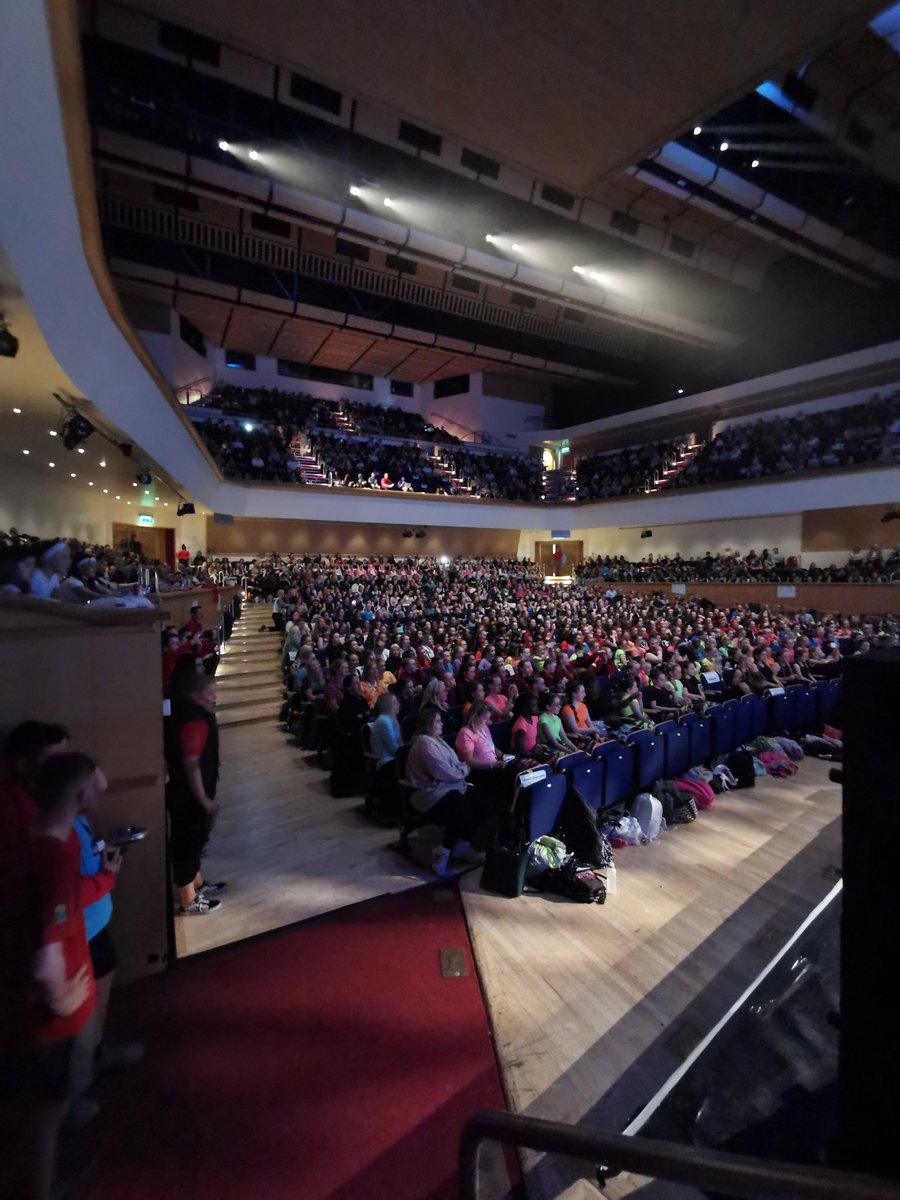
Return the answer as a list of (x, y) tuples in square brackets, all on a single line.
[(516, 246), (81, 449), (17, 410), (165, 504), (73, 474), (489, 237), (355, 190), (134, 485), (51, 464), (681, 391), (156, 499), (102, 462), (118, 497), (248, 425), (580, 270), (755, 163), (254, 154), (106, 491), (128, 502), (388, 202), (90, 483), (26, 451), (52, 432), (223, 145), (724, 146), (698, 129)]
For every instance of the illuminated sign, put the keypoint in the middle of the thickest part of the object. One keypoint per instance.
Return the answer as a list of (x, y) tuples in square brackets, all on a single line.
[(145, 519)]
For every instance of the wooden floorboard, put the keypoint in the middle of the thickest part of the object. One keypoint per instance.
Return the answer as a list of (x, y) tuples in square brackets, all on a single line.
[(594, 1007)]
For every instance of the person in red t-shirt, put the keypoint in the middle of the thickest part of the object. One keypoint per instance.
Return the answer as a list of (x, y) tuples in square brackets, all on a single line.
[(184, 557), (62, 994)]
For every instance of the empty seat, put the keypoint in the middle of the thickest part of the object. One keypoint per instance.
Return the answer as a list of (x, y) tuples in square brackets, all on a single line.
[(759, 714), (618, 761), (676, 748), (544, 798), (724, 728), (700, 737), (783, 711), (650, 758), (806, 715), (589, 780), (827, 694), (744, 720), (501, 732)]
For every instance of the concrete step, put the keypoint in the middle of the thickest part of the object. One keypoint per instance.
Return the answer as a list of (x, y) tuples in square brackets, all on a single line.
[(249, 696)]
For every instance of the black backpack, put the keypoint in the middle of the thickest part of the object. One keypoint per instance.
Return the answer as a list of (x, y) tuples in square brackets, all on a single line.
[(575, 881), (740, 764)]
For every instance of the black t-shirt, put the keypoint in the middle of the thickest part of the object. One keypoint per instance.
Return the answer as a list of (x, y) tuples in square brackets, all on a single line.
[(659, 696)]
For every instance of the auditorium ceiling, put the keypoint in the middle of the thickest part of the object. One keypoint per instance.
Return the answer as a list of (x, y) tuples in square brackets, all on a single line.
[(573, 91)]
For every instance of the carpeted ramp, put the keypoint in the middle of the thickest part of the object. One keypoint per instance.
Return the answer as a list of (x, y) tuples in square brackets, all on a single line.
[(329, 1062)]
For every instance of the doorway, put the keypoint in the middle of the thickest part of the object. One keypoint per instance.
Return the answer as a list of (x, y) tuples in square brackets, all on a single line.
[(559, 557), (156, 542)]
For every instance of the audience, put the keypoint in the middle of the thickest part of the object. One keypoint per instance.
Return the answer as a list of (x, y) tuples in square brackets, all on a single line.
[(608, 473)]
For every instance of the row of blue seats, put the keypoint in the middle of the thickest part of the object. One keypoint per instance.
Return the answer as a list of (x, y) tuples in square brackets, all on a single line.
[(615, 772)]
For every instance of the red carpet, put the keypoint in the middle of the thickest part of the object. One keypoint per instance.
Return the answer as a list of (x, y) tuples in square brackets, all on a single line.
[(326, 1063)]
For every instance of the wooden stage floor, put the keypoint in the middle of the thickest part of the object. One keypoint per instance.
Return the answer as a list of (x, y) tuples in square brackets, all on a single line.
[(592, 1007)]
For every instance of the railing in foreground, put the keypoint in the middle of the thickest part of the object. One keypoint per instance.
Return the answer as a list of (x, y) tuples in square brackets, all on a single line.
[(731, 1174)]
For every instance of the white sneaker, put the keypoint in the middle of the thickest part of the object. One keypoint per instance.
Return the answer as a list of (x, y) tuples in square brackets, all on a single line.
[(440, 861), (200, 907)]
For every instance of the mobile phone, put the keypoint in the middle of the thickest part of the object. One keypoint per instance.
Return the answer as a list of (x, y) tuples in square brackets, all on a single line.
[(124, 836)]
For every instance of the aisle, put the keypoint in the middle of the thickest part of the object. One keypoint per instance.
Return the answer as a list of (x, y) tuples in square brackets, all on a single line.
[(285, 847), (328, 1062), (593, 1007)]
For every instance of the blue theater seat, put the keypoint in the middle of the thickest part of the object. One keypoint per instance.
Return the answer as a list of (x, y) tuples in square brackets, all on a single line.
[(783, 711), (759, 708), (544, 799), (724, 727), (743, 721), (618, 761), (588, 778), (700, 737), (676, 748), (649, 748), (827, 695), (806, 709), (501, 732)]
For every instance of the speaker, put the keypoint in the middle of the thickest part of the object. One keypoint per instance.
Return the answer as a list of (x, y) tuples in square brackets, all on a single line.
[(645, 533), (76, 430), (185, 510)]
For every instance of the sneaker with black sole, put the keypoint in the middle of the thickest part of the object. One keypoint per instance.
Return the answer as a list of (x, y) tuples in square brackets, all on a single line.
[(211, 889), (201, 907)]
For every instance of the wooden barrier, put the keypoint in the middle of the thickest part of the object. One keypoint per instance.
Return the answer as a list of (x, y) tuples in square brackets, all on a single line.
[(99, 673), (177, 605), (851, 598)]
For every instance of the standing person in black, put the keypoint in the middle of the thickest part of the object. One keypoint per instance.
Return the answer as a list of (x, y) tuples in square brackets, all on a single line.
[(192, 757), (352, 713)]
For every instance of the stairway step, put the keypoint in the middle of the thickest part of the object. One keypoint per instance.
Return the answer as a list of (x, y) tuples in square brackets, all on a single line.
[(255, 695), (252, 715)]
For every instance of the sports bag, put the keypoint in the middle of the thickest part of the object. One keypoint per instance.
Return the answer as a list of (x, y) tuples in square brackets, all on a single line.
[(648, 812), (701, 792), (575, 881), (740, 763), (777, 764)]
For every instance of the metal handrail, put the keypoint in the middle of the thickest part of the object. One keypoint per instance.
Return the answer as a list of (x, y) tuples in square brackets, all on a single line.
[(735, 1175)]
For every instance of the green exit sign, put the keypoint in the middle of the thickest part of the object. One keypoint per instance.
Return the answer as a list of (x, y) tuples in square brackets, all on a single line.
[(145, 519)]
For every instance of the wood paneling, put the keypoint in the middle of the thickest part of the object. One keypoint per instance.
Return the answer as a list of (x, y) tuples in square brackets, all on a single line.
[(821, 597), (252, 536), (857, 527), (176, 606), (98, 672)]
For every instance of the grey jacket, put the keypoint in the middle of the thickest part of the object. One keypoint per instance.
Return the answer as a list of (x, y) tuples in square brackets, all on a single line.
[(434, 770)]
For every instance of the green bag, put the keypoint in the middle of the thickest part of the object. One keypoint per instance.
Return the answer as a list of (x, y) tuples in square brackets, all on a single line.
[(504, 869)]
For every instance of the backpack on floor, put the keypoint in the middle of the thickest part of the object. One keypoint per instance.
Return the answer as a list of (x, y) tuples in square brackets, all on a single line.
[(648, 812), (740, 763), (575, 881), (777, 764), (701, 792)]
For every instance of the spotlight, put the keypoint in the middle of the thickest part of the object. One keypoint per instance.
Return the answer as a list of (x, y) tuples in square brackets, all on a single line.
[(420, 533), (354, 190), (596, 276), (724, 146), (17, 410), (489, 237), (681, 391), (698, 129), (185, 510), (223, 145), (755, 163), (515, 246), (76, 429), (407, 533), (645, 533), (388, 202), (580, 270), (142, 477), (9, 344), (254, 154)]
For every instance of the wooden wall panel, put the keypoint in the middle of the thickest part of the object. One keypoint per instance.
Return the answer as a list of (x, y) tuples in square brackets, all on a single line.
[(821, 597), (252, 536), (99, 673), (857, 527)]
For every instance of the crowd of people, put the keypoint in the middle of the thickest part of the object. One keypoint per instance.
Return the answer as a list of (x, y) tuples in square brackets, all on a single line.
[(416, 649), (769, 566), (609, 473), (854, 436)]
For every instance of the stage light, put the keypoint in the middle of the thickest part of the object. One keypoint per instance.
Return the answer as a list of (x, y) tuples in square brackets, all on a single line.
[(248, 426), (596, 276), (698, 129), (223, 145), (9, 343), (492, 238), (76, 429), (388, 202), (724, 146), (681, 391), (580, 270), (755, 163), (354, 190), (515, 246), (254, 154), (185, 510)]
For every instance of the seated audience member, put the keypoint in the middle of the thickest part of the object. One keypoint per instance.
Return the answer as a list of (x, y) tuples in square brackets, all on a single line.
[(494, 698), (659, 699), (63, 995), (524, 732), (17, 565), (384, 741), (53, 559), (434, 695), (551, 734), (192, 758), (474, 743), (631, 707), (438, 778), (576, 720)]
